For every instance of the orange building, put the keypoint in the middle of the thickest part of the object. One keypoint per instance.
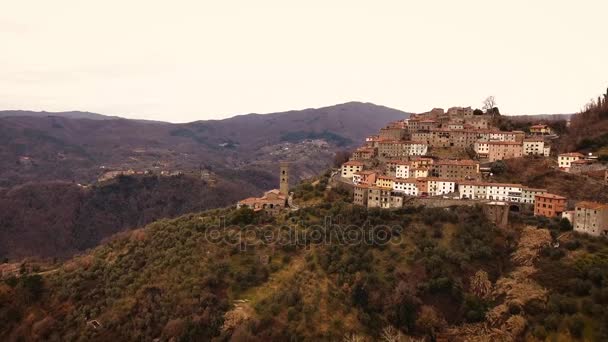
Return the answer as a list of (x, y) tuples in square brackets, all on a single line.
[(549, 205)]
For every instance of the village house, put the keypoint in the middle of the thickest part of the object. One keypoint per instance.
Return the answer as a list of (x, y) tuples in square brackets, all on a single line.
[(591, 218), (400, 149), (549, 205), (393, 133), (406, 186), (360, 194), (460, 111), (419, 172), (364, 153), (564, 160), (417, 161), (482, 148), (455, 169), (491, 191), (528, 195), (477, 121), (440, 186), (535, 147), (455, 126), (422, 136), (364, 177), (384, 181), (500, 150), (402, 169), (272, 202), (378, 197), (350, 167), (372, 141), (540, 129)]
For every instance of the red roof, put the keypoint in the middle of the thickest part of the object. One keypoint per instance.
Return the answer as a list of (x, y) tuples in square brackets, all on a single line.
[(571, 154), (591, 205), (551, 196), (354, 163)]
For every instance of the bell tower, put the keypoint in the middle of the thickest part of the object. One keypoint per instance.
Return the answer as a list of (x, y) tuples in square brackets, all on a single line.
[(284, 179)]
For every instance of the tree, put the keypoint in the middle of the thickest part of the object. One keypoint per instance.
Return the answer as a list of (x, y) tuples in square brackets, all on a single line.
[(340, 158), (489, 104), (480, 284), (478, 111), (430, 321)]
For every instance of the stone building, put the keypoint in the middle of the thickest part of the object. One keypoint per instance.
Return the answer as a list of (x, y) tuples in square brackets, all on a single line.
[(455, 169), (500, 150), (591, 218), (360, 195), (272, 202)]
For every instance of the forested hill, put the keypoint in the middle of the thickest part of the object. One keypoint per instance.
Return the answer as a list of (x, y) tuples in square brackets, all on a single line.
[(59, 219), (441, 274)]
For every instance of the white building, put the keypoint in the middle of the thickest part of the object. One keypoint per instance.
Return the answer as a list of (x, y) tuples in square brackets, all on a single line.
[(418, 148), (349, 168), (497, 192), (564, 160), (439, 186), (527, 194), (534, 147), (402, 170), (407, 187), (482, 148)]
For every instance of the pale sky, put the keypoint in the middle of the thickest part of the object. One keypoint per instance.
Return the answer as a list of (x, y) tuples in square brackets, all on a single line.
[(182, 61)]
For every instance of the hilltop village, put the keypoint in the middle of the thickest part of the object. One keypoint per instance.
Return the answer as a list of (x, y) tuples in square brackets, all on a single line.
[(448, 156)]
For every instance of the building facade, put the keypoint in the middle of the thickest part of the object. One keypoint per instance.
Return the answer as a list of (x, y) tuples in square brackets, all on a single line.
[(549, 205), (591, 218)]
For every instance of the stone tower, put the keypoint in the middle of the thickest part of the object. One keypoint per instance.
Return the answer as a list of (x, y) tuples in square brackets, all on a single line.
[(284, 177)]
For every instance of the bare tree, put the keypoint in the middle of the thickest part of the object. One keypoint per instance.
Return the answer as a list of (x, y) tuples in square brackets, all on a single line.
[(489, 103)]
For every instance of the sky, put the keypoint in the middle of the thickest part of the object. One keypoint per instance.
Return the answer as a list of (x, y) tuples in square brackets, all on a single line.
[(183, 61)]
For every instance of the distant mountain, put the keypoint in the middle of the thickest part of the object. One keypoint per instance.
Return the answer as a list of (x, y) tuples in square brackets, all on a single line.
[(59, 148), (242, 152), (69, 115)]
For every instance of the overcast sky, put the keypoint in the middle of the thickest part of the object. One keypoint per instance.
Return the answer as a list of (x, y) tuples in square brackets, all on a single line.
[(190, 60)]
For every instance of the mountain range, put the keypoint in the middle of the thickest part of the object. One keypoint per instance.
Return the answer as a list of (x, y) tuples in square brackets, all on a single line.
[(50, 163)]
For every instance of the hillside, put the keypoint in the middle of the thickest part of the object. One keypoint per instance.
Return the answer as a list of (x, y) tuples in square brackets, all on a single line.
[(59, 219), (440, 273), (543, 173), (59, 148), (589, 129), (43, 114)]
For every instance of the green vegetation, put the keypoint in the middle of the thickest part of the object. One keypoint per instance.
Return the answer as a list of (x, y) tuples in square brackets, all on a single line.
[(350, 270)]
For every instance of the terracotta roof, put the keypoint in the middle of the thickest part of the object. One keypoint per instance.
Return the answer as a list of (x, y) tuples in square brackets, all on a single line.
[(534, 189), (354, 163), (504, 143), (365, 173), (551, 196), (456, 162), (490, 184), (538, 126), (571, 154), (591, 205)]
